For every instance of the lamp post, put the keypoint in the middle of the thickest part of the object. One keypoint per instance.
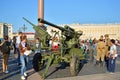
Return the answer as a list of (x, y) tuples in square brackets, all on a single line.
[(24, 28)]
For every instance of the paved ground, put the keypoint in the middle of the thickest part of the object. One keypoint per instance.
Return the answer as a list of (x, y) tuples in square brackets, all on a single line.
[(88, 71), (103, 76)]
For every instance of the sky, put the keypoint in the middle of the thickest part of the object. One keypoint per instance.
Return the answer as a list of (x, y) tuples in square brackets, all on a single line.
[(59, 12)]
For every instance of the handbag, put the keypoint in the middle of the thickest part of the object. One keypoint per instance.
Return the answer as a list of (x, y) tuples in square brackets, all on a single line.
[(27, 52)]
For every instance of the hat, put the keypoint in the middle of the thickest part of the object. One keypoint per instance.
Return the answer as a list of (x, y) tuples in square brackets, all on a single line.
[(101, 38), (106, 35)]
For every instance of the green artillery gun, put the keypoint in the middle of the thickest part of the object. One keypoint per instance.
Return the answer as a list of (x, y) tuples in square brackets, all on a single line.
[(68, 50), (41, 33)]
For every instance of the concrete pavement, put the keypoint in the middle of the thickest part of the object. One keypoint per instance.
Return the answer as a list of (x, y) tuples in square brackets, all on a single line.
[(88, 72), (105, 76)]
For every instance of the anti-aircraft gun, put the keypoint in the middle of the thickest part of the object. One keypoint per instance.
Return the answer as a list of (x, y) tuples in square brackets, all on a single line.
[(41, 33), (68, 50), (71, 37)]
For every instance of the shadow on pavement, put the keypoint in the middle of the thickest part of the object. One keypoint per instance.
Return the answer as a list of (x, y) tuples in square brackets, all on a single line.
[(6, 76), (64, 65)]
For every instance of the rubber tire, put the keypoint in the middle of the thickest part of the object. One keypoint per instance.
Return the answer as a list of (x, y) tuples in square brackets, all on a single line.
[(36, 60), (73, 63)]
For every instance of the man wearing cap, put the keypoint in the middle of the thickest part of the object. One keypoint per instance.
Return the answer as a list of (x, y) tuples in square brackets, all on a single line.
[(100, 51)]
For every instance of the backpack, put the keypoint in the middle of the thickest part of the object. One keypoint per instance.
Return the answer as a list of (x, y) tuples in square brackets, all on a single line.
[(5, 47)]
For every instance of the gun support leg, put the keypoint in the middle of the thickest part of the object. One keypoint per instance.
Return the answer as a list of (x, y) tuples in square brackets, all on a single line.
[(48, 65)]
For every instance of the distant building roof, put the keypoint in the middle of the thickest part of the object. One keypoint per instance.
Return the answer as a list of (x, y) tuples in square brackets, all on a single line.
[(29, 33)]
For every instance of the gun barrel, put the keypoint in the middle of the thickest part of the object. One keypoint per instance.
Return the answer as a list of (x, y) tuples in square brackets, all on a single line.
[(51, 24), (66, 31)]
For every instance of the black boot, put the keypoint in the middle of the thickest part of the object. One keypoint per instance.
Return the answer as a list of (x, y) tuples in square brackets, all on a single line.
[(97, 63)]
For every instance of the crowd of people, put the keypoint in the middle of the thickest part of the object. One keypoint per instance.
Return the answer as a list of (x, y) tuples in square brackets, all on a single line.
[(102, 51), (21, 47)]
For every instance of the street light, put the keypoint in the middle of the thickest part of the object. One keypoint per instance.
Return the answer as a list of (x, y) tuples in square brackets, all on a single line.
[(24, 28)]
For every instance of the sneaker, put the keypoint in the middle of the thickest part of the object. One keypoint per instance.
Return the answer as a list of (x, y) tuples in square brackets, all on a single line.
[(23, 77), (25, 74), (6, 71), (111, 72)]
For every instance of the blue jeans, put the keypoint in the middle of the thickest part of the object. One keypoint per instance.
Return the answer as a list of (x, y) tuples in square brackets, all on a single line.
[(111, 65), (24, 61), (18, 52), (107, 63)]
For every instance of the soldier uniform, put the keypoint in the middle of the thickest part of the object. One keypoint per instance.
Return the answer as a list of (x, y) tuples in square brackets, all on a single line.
[(100, 51)]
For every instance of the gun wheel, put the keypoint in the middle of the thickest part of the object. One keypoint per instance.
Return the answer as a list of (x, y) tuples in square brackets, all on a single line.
[(37, 62), (74, 66)]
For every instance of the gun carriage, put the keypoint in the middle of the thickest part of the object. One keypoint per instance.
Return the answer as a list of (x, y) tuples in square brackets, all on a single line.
[(67, 51)]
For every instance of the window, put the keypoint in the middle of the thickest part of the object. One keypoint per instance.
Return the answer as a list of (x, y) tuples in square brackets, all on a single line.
[(9, 31)]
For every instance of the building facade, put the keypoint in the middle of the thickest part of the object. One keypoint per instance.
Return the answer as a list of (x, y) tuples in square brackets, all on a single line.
[(94, 30), (5, 29), (30, 35)]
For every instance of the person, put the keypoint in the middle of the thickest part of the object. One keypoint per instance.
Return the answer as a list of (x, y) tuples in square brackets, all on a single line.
[(14, 44), (0, 41), (90, 41), (55, 44), (91, 51), (107, 43), (37, 57), (18, 40), (5, 49), (82, 46), (94, 44), (23, 46), (112, 56), (37, 45), (100, 51)]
